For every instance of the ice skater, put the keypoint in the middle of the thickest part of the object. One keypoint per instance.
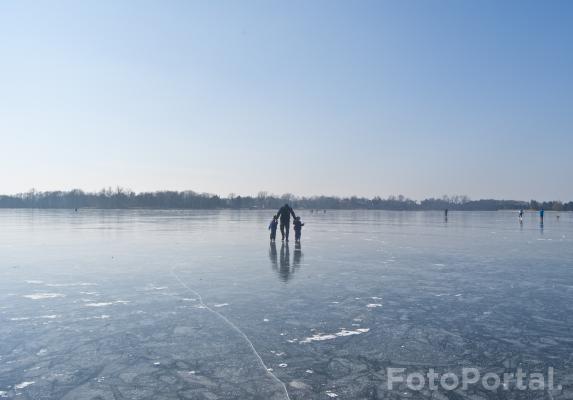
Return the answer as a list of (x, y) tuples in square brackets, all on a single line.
[(273, 227), (284, 214), (446, 215), (521, 215), (541, 212), (297, 229)]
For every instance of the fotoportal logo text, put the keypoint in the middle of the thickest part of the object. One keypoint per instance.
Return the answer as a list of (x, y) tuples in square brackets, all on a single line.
[(471, 377)]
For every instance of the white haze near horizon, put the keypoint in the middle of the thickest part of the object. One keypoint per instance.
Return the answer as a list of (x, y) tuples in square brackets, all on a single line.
[(420, 99)]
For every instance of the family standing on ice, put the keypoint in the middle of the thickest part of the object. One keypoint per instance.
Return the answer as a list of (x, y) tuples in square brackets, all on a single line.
[(283, 215)]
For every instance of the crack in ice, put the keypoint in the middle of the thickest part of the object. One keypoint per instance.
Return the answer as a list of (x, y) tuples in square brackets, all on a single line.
[(268, 370)]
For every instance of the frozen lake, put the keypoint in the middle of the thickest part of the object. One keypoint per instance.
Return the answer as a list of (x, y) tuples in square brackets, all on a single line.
[(197, 305)]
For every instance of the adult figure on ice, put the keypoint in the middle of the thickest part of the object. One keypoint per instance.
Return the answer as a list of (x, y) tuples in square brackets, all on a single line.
[(284, 214)]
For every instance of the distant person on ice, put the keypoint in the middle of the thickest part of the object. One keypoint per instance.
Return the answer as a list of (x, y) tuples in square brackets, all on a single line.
[(541, 212), (273, 227), (297, 229), (521, 215), (284, 214)]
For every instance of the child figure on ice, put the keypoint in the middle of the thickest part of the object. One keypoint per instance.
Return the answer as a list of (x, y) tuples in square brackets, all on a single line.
[(273, 227), (297, 229)]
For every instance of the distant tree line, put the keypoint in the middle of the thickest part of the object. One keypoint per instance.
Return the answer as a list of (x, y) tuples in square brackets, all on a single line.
[(125, 198)]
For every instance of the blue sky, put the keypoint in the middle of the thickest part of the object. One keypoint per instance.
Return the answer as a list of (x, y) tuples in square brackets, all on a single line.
[(421, 98)]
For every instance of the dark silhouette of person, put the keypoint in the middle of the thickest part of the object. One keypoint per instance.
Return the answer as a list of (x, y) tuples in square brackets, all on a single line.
[(273, 227), (298, 224), (284, 214)]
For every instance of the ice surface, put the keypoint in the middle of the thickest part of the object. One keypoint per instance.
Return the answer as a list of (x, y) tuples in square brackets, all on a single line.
[(90, 310)]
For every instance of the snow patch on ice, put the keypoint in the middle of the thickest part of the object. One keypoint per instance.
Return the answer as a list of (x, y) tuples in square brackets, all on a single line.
[(105, 304), (152, 287), (70, 284), (344, 332), (374, 305), (221, 305), (43, 296), (298, 385), (40, 317), (23, 385), (98, 304)]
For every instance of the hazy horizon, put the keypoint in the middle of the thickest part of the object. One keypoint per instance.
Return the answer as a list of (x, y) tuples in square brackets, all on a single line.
[(371, 98), (297, 195)]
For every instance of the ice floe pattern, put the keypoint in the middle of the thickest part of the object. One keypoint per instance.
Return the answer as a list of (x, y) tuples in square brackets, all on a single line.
[(233, 326), (448, 294)]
